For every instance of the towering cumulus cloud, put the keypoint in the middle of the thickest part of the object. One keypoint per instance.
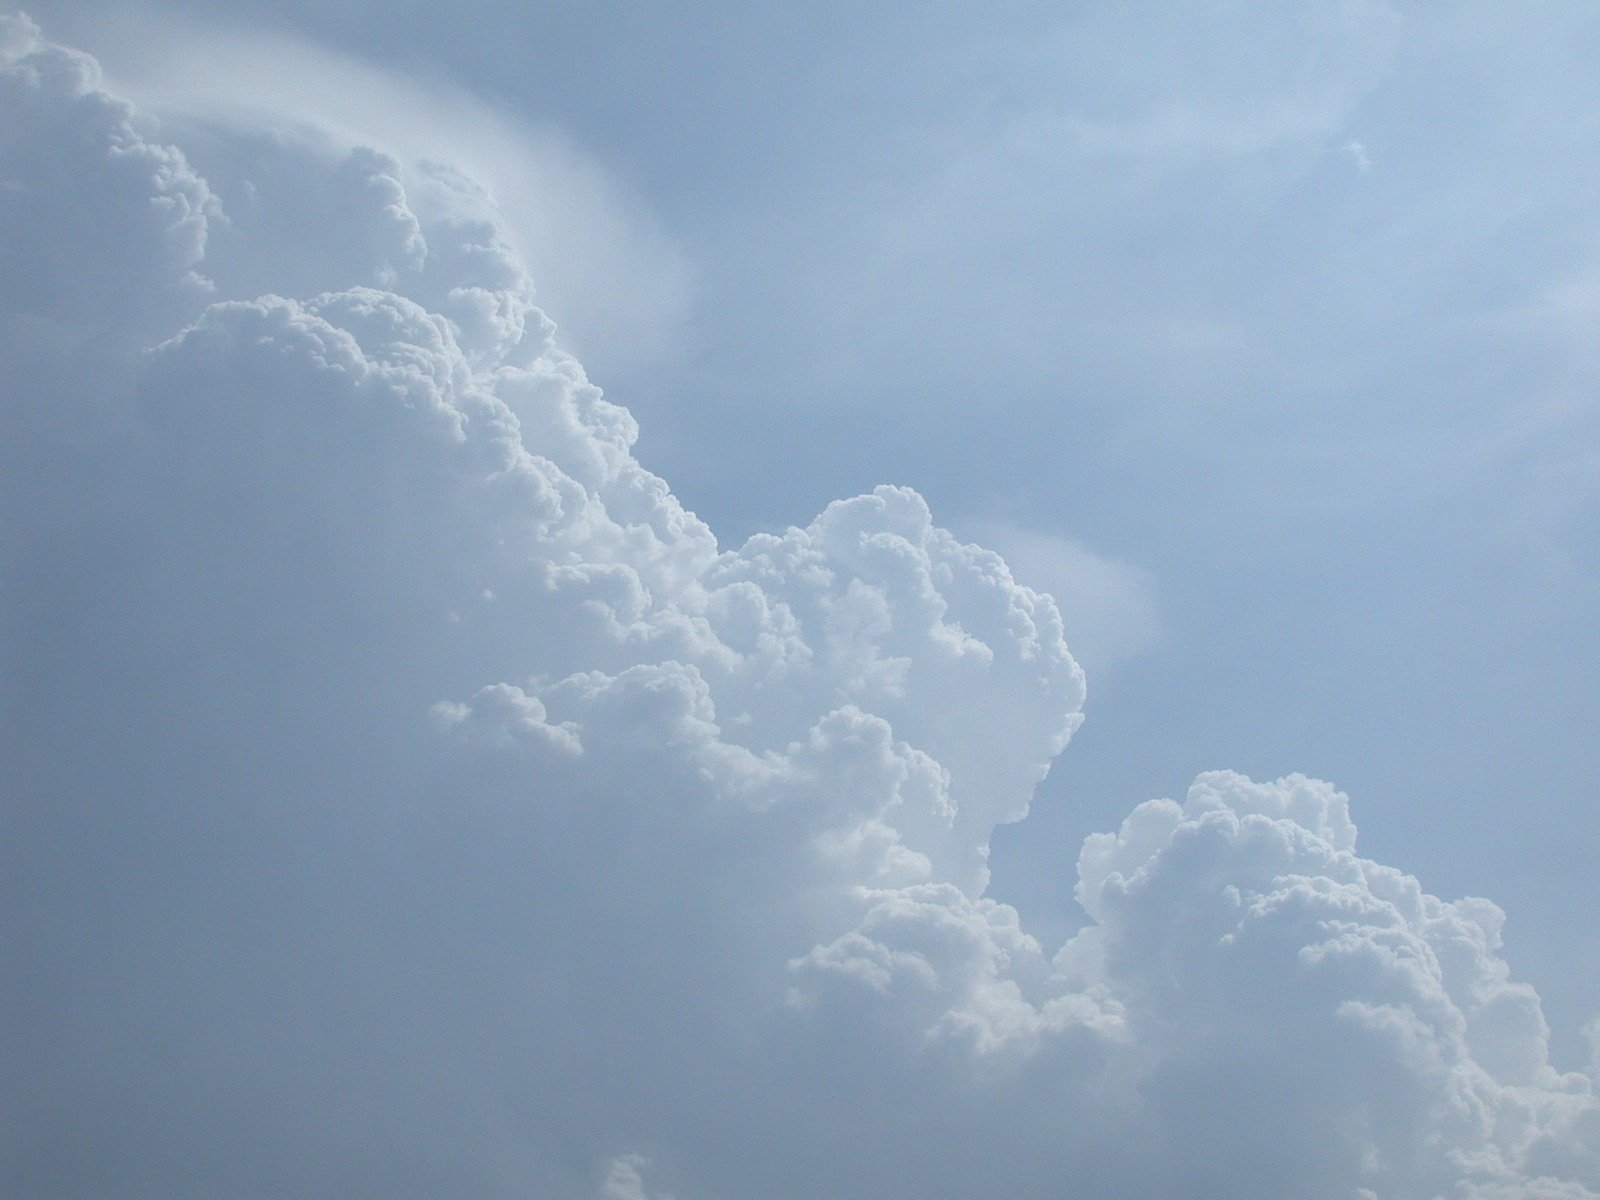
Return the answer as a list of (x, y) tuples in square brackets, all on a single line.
[(407, 797)]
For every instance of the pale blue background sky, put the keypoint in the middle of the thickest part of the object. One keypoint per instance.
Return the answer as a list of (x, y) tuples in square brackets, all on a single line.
[(1287, 308)]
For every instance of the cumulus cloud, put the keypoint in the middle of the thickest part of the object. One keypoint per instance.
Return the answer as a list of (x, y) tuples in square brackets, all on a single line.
[(623, 1180), (82, 180), (409, 797), (599, 256), (1108, 607)]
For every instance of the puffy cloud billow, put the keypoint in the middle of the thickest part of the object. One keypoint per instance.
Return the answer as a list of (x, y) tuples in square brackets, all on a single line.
[(407, 797)]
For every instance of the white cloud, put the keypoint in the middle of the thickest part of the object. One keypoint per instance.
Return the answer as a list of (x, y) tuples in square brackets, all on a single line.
[(606, 269), (412, 798), (624, 1181), (1108, 606), (68, 144)]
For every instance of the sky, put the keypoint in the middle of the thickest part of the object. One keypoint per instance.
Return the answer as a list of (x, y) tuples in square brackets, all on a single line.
[(431, 777)]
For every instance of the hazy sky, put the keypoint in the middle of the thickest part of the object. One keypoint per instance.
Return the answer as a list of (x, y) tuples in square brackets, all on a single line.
[(1260, 336)]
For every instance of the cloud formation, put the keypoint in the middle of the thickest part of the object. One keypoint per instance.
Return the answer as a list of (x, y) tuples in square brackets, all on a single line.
[(409, 797), (1108, 606)]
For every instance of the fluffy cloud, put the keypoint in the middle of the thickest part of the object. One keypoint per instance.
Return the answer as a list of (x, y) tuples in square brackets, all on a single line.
[(409, 797), (83, 185), (1108, 607)]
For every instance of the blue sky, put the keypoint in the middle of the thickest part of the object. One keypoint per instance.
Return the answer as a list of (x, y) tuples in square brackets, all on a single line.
[(1262, 335)]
